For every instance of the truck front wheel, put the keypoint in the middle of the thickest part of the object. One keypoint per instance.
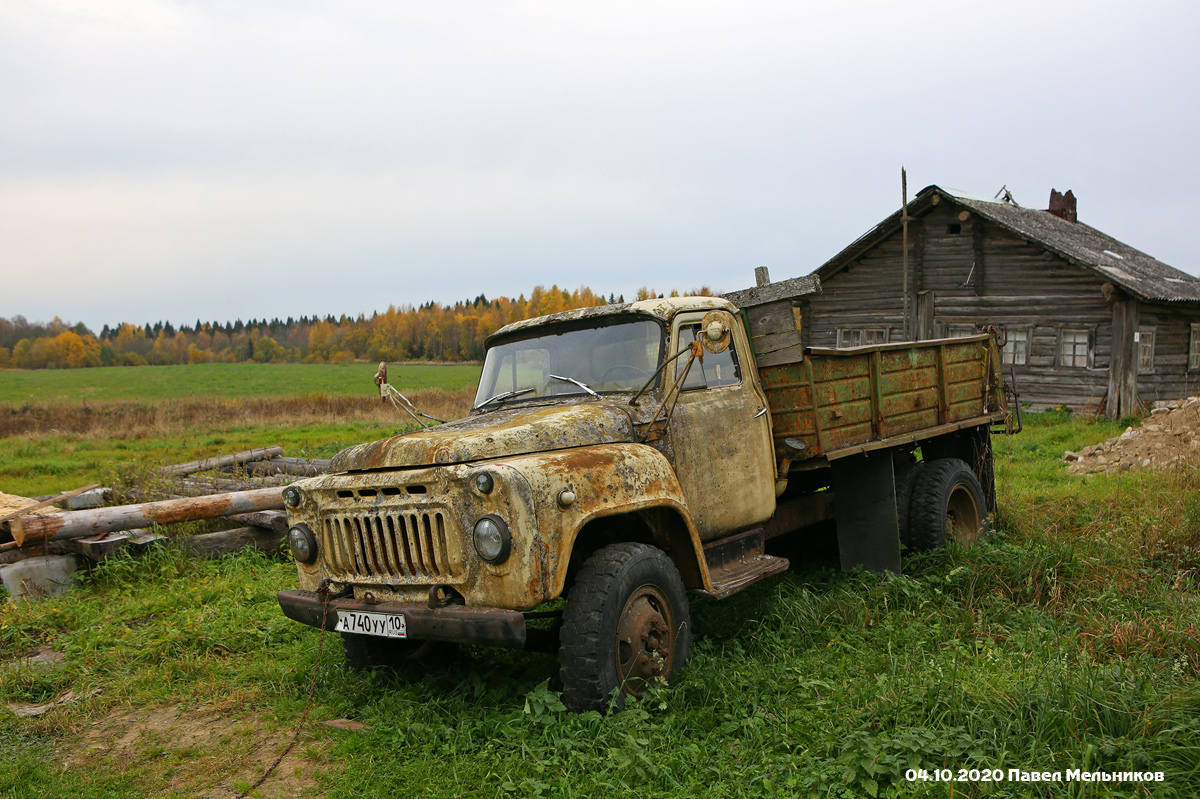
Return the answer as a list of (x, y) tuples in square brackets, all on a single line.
[(947, 502), (626, 626)]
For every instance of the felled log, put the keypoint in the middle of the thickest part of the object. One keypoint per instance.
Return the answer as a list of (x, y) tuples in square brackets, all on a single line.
[(181, 469), (209, 545), (82, 523), (45, 503), (218, 485), (101, 546), (304, 467), (269, 519)]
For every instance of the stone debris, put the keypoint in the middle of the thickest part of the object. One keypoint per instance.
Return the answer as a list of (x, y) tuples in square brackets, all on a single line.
[(1169, 436)]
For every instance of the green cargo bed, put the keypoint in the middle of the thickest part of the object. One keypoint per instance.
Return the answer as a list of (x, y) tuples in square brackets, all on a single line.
[(839, 402)]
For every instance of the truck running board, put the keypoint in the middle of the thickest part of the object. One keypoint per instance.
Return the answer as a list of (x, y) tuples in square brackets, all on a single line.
[(737, 562)]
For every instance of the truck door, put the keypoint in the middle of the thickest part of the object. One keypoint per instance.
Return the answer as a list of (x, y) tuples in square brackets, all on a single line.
[(720, 433)]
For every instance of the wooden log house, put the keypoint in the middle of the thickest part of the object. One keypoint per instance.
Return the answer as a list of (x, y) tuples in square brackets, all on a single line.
[(1091, 323)]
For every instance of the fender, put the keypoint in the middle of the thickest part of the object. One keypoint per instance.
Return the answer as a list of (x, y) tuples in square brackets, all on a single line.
[(606, 480)]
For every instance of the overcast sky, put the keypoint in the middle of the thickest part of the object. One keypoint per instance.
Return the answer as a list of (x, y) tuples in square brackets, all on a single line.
[(224, 160)]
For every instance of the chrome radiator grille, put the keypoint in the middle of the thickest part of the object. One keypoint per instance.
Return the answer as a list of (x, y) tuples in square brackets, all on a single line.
[(408, 546)]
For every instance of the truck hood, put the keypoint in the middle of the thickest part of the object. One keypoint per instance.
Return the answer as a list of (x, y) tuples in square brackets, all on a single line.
[(515, 431)]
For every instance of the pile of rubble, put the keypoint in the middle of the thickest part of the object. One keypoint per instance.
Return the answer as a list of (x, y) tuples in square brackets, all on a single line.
[(1170, 435)]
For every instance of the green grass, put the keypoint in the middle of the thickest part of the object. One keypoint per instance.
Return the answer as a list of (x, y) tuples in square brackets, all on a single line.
[(51, 464), (1069, 639), (224, 380)]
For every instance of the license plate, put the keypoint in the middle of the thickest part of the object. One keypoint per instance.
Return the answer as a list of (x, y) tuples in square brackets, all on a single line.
[(385, 625)]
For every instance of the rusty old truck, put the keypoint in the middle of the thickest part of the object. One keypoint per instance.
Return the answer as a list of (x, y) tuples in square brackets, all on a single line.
[(623, 457)]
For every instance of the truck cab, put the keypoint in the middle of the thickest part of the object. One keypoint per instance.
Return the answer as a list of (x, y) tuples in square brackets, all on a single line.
[(602, 443)]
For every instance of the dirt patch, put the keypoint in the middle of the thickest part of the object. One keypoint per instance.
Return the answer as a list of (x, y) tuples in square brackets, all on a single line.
[(202, 753), (1169, 436)]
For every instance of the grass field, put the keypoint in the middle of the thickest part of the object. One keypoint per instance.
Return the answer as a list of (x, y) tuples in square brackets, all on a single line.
[(222, 380), (1069, 639), (72, 427)]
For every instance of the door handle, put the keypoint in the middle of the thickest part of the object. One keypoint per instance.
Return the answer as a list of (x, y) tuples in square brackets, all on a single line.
[(760, 413)]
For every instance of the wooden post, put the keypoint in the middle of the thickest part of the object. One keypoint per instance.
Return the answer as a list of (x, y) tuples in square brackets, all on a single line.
[(908, 336), (78, 524), (1122, 365)]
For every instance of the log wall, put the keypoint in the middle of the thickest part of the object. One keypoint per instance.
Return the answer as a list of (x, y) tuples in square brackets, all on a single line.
[(965, 271)]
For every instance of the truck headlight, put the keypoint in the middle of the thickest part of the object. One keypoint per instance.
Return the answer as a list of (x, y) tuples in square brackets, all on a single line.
[(492, 539), (303, 543), (291, 496), (484, 482)]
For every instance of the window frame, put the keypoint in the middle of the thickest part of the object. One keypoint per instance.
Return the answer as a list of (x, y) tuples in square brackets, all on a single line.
[(1025, 349), (1141, 335), (863, 332), (959, 330), (1088, 355), (739, 371), (1194, 348)]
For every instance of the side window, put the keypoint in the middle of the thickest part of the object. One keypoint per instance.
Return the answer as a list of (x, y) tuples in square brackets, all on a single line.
[(1194, 348), (1074, 348), (1016, 347), (718, 369), (1145, 340), (861, 336)]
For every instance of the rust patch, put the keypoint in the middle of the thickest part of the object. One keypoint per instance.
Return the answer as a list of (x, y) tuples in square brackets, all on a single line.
[(496, 434)]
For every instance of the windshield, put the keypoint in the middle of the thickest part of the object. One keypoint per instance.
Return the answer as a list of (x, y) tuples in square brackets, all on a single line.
[(619, 356)]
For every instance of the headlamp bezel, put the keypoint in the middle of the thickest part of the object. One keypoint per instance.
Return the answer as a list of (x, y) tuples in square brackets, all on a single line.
[(303, 533), (505, 539)]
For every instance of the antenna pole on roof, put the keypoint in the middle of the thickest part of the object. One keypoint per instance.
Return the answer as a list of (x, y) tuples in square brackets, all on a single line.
[(904, 226)]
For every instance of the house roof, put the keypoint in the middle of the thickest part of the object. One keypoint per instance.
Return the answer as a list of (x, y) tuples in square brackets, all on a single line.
[(1080, 244)]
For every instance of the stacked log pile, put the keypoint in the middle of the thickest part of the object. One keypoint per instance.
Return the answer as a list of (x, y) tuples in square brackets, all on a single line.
[(249, 492)]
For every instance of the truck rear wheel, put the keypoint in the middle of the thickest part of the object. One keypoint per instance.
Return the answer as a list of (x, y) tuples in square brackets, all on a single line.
[(626, 626), (906, 476), (947, 503)]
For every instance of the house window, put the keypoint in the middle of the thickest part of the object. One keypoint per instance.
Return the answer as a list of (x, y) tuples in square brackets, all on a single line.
[(1073, 349), (961, 331), (1194, 348), (1145, 341), (1016, 347), (861, 336)]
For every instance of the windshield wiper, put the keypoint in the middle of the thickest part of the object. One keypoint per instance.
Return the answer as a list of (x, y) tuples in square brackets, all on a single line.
[(503, 395), (576, 382)]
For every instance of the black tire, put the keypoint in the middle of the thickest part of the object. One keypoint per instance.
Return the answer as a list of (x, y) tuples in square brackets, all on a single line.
[(906, 476), (626, 625), (371, 651), (947, 502)]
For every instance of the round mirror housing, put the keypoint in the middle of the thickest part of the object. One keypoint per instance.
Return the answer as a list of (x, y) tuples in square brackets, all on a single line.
[(717, 334)]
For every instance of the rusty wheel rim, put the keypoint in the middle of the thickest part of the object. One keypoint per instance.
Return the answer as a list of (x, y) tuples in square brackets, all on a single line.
[(964, 522), (645, 640)]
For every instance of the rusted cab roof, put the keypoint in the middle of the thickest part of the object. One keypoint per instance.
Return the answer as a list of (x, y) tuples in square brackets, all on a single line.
[(664, 309)]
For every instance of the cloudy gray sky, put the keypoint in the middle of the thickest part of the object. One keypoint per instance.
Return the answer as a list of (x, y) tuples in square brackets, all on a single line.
[(223, 160)]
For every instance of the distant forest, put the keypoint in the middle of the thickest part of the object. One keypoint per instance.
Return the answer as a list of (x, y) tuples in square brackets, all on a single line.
[(428, 332)]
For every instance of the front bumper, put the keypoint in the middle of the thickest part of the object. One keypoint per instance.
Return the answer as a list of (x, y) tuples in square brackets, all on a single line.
[(455, 623)]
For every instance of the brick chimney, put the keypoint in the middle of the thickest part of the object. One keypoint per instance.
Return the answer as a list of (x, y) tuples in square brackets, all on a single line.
[(1063, 205)]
